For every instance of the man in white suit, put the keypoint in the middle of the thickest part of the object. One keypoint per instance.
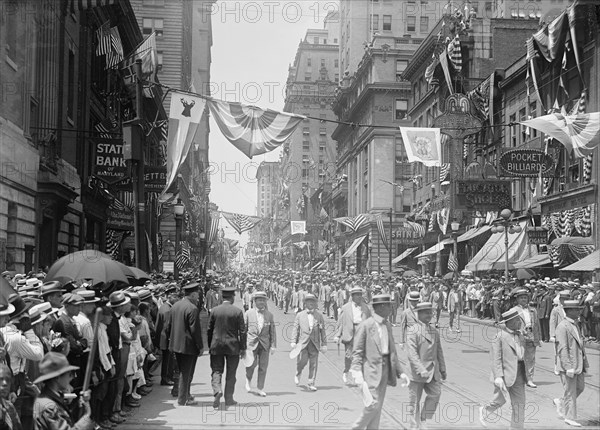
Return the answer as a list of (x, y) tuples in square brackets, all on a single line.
[(375, 361), (308, 339), (571, 362), (261, 340), (508, 370)]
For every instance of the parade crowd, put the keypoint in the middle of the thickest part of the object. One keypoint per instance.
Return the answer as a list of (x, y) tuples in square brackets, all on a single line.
[(59, 370)]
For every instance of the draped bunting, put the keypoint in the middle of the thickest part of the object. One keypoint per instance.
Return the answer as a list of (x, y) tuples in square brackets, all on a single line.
[(353, 223), (241, 223), (381, 230), (564, 223), (253, 130), (444, 170), (564, 254)]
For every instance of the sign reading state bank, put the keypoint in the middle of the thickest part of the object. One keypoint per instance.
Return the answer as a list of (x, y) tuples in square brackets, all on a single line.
[(526, 163)]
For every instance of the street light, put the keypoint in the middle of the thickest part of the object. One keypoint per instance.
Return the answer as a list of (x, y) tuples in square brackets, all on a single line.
[(455, 226), (178, 210), (506, 226)]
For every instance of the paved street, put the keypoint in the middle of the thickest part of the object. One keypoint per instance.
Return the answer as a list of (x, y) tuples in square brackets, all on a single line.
[(337, 406)]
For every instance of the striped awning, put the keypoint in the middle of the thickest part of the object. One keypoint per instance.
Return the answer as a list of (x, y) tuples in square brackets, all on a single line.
[(473, 233), (73, 5), (586, 264), (536, 261), (435, 248), (354, 246), (402, 256)]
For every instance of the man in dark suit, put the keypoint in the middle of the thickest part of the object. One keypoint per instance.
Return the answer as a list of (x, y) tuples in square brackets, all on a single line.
[(185, 339), (227, 340), (166, 371), (544, 307), (213, 297), (262, 340)]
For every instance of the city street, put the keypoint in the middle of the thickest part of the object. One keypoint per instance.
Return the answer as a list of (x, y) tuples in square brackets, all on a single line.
[(337, 406)]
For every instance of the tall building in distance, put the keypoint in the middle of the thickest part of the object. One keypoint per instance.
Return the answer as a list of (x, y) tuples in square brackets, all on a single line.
[(268, 179), (308, 160)]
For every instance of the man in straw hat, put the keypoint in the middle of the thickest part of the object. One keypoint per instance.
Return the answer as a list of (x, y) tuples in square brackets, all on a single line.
[(508, 370), (308, 339), (50, 411), (531, 330), (571, 362), (261, 340), (427, 367), (353, 313), (408, 317), (375, 363)]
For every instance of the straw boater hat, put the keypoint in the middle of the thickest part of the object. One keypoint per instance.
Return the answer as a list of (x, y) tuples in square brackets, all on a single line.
[(414, 296), (6, 309), (510, 314), (310, 296), (260, 295), (381, 299), (72, 299), (571, 304), (144, 294), (356, 290), (53, 365), (88, 296), (40, 312), (118, 298)]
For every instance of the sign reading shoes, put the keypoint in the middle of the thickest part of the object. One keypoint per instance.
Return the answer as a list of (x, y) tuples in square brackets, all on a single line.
[(526, 163)]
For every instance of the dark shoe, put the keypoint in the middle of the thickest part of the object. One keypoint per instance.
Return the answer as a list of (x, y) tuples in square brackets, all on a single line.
[(132, 403), (167, 382), (231, 403), (107, 424), (217, 400), (190, 397), (188, 403), (116, 418)]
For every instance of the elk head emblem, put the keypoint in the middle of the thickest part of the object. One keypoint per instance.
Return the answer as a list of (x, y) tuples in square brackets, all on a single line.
[(187, 107)]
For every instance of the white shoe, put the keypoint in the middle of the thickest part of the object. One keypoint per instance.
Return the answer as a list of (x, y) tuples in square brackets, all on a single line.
[(482, 416), (135, 396), (559, 407), (345, 377), (530, 384), (248, 386), (296, 380), (572, 423), (311, 387), (261, 393)]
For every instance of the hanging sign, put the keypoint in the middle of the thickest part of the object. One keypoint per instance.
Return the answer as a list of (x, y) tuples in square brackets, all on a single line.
[(483, 195), (120, 219), (109, 164), (526, 163), (155, 180), (537, 235)]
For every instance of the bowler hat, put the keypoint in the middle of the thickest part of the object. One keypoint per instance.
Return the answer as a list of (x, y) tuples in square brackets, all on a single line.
[(381, 299), (20, 306), (53, 365), (118, 298)]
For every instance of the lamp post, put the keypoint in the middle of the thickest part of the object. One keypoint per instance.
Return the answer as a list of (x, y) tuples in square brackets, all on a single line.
[(506, 226), (178, 210), (202, 237), (455, 226)]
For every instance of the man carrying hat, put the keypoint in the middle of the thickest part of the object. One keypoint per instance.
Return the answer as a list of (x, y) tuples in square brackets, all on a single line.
[(571, 362), (353, 313), (261, 340), (308, 339), (508, 370), (427, 367), (375, 362), (185, 339), (408, 317), (531, 330)]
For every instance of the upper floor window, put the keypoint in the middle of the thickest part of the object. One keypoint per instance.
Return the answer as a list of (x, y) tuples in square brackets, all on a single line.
[(411, 24), (424, 24), (401, 108), (153, 24), (387, 22), (374, 22)]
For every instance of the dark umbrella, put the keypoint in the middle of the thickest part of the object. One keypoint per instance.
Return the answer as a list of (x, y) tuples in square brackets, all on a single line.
[(525, 274), (88, 264), (409, 273), (136, 276), (6, 289)]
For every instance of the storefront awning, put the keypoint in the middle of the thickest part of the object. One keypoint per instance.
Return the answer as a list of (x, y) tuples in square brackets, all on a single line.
[(492, 255), (536, 261), (354, 246), (435, 248), (402, 256), (473, 233), (586, 264)]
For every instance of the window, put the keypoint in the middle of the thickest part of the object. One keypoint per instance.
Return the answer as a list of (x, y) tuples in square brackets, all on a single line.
[(513, 130), (424, 24), (159, 59), (411, 24), (387, 22), (324, 41), (306, 131), (524, 130), (401, 108), (307, 77), (71, 86), (152, 24), (316, 40), (322, 62), (533, 114), (33, 115), (305, 145), (309, 62), (336, 63), (335, 40), (374, 22), (400, 67)]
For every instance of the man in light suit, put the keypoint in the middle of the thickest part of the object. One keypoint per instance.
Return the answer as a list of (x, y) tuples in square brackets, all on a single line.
[(375, 361), (558, 313), (532, 333), (427, 367), (571, 363), (247, 299), (508, 370), (261, 340), (353, 313), (408, 317), (454, 308), (308, 339), (325, 296)]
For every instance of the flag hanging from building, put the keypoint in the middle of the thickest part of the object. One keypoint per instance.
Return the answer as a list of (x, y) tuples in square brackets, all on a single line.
[(455, 54), (241, 223), (253, 130), (109, 44), (444, 170), (185, 114), (353, 223), (182, 258), (417, 228), (297, 227), (423, 145), (452, 262), (214, 226), (579, 133), (108, 128), (382, 233), (323, 213), (103, 38), (146, 51)]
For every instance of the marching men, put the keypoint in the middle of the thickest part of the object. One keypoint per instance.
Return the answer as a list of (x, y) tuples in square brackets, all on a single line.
[(309, 338), (571, 362), (353, 313), (375, 361), (261, 340), (508, 370), (427, 366)]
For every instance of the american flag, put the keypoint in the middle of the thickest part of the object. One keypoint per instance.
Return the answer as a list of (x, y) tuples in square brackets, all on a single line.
[(214, 226), (182, 258), (103, 36), (353, 223), (381, 230), (452, 262), (455, 54), (241, 223), (107, 128), (444, 170)]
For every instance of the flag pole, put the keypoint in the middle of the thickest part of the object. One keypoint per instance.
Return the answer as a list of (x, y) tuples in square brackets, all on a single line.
[(391, 242)]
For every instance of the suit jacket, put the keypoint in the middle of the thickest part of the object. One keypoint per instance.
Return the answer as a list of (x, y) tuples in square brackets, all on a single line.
[(556, 316), (570, 348), (345, 326), (454, 305), (248, 299), (535, 335), (408, 318), (267, 337), (66, 325), (367, 358), (161, 320), (183, 328), (213, 299), (301, 333), (226, 330), (504, 357), (325, 293), (424, 351), (544, 305)]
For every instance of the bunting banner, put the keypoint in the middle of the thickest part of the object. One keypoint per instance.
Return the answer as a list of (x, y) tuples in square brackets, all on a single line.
[(382, 233), (455, 54), (81, 5), (579, 133), (422, 145), (241, 223), (444, 170), (185, 114), (253, 130), (353, 223), (297, 227)]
